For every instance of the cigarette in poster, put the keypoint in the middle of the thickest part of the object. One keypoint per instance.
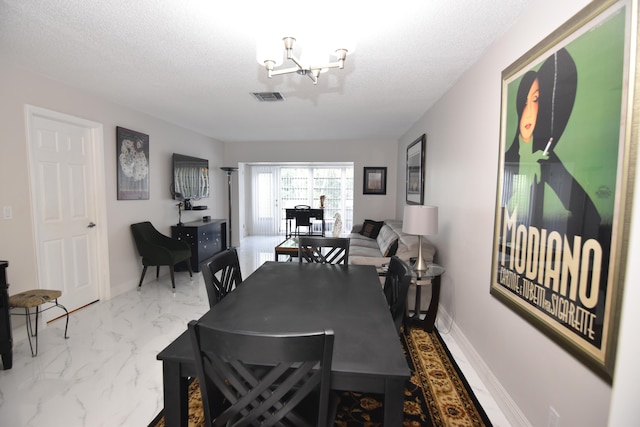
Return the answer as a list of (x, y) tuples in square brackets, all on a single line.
[(546, 149)]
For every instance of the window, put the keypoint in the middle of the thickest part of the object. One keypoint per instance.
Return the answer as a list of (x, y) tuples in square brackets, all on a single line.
[(305, 185), (279, 187)]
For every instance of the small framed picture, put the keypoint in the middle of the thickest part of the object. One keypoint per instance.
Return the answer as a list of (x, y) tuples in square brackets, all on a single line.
[(375, 180), (415, 171)]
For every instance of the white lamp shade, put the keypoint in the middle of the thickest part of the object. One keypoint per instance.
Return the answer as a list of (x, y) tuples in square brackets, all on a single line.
[(314, 54), (269, 49), (420, 220)]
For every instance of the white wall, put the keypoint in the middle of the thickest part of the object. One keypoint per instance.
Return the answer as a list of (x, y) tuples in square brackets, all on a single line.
[(462, 159), (362, 153), (19, 87)]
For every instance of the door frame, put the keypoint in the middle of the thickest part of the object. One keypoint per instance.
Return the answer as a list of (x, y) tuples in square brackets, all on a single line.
[(100, 200)]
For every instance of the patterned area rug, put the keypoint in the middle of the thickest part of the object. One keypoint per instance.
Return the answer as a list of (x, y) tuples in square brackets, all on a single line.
[(437, 393)]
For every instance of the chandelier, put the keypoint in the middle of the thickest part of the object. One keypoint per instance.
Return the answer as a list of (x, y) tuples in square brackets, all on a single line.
[(311, 67)]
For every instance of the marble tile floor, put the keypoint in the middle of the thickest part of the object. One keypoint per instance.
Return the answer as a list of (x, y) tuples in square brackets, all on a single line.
[(106, 373)]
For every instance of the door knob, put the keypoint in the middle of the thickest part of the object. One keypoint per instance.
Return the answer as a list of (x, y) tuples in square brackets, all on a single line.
[(91, 225)]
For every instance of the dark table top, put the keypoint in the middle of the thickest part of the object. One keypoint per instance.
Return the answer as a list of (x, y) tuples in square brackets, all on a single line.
[(294, 297)]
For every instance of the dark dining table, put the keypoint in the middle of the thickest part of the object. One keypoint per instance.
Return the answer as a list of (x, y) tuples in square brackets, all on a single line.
[(294, 297)]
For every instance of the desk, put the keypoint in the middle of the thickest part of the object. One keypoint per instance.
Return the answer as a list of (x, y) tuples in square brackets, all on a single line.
[(291, 214), (294, 297)]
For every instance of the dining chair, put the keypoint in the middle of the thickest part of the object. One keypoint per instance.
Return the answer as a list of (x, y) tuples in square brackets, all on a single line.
[(396, 287), (221, 274), (302, 214), (158, 249), (324, 250), (249, 378)]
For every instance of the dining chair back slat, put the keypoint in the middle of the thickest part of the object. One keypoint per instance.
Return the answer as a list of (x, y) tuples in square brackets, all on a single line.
[(250, 378), (221, 274), (396, 288), (324, 250)]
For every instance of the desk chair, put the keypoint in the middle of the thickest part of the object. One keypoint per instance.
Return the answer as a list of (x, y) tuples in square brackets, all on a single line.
[(226, 266), (396, 287), (282, 379), (324, 250), (302, 214), (35, 298), (158, 249)]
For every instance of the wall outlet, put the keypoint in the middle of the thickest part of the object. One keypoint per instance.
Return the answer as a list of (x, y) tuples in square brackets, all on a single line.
[(7, 212), (554, 417)]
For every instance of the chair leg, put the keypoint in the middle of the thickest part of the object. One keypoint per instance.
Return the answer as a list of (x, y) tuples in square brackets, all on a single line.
[(190, 269), (66, 326), (144, 270), (157, 271), (30, 331), (173, 279)]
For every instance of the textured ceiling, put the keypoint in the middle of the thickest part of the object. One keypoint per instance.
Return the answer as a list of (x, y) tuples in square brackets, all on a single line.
[(192, 62)]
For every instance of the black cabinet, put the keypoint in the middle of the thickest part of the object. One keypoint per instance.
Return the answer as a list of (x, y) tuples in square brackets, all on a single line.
[(206, 238), (6, 340)]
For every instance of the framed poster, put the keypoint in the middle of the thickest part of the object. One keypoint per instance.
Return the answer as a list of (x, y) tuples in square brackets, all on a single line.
[(567, 155), (375, 180), (415, 171), (133, 164)]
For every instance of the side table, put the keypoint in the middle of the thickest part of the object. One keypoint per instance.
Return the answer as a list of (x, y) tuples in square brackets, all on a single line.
[(434, 271)]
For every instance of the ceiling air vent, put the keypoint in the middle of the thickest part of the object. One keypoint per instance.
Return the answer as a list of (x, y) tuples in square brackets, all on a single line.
[(268, 96)]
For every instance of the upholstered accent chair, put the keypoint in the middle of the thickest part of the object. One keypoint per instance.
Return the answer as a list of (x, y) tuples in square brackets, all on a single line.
[(158, 249)]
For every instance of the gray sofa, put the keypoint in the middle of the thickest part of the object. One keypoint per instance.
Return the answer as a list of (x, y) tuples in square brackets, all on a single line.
[(365, 250)]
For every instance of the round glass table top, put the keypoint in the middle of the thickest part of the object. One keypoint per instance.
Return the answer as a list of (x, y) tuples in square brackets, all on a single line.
[(433, 270)]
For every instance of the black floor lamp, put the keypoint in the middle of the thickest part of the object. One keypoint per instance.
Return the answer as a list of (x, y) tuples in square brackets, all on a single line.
[(229, 170)]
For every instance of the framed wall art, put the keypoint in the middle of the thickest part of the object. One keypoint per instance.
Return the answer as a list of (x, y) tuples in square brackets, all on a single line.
[(133, 164), (375, 180), (567, 156), (415, 171)]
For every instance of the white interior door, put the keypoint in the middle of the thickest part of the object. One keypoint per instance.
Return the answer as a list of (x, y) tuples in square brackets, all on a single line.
[(63, 182)]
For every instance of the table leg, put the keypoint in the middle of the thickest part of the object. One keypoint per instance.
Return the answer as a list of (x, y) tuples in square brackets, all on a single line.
[(7, 360), (430, 318), (176, 396), (416, 307), (393, 402)]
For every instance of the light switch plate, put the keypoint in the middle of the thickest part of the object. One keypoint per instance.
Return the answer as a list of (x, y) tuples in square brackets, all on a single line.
[(7, 212)]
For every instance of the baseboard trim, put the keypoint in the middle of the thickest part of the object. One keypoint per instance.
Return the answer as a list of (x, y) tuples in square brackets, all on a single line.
[(507, 405)]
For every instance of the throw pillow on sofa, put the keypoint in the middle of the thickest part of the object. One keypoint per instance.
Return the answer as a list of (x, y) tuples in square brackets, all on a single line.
[(371, 228)]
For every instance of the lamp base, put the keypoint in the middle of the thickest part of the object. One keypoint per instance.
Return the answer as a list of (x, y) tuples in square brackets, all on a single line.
[(420, 266)]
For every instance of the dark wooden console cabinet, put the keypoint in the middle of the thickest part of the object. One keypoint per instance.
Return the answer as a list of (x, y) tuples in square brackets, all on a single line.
[(6, 340), (206, 239)]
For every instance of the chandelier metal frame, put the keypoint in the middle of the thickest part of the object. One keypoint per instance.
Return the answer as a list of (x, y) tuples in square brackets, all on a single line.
[(311, 71)]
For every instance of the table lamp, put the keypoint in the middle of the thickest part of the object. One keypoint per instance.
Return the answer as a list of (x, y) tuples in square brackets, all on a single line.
[(420, 220)]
